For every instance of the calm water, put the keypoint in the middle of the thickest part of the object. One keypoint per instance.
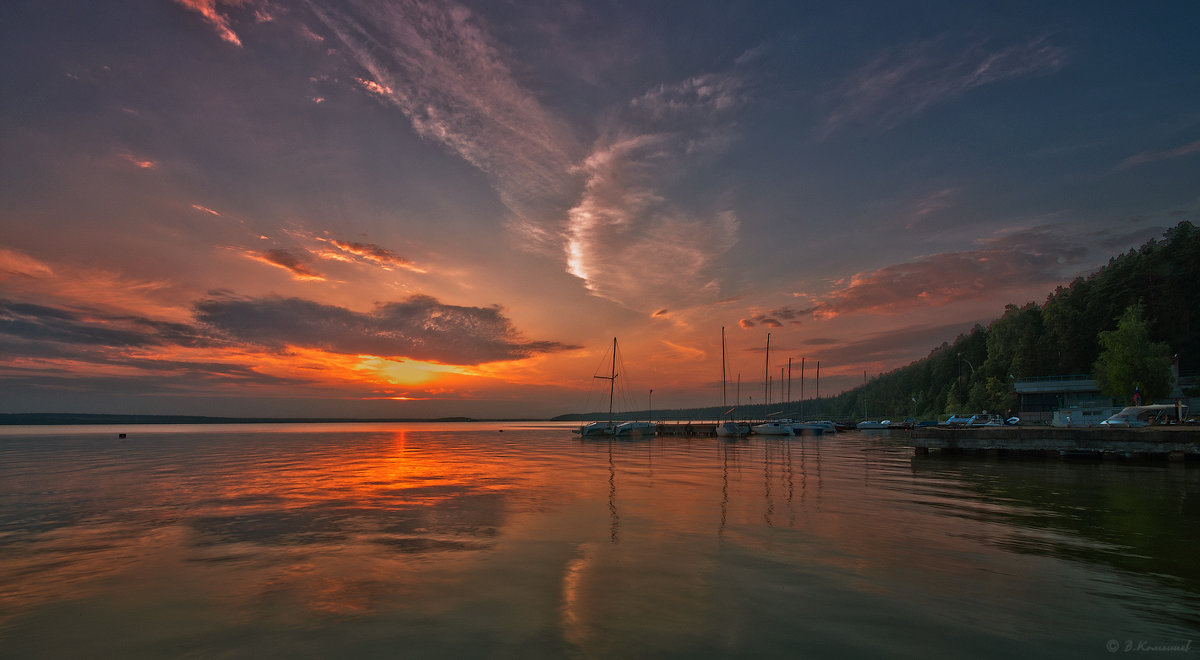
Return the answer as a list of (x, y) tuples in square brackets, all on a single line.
[(461, 541)]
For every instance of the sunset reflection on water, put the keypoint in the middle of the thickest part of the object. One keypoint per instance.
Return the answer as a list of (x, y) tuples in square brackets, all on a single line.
[(464, 539)]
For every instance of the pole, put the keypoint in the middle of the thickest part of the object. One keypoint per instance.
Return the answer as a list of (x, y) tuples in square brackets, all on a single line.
[(802, 387), (789, 388), (723, 403), (767, 374)]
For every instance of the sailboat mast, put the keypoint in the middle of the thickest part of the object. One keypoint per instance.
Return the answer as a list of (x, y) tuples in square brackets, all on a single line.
[(767, 374), (723, 402), (612, 381), (818, 397)]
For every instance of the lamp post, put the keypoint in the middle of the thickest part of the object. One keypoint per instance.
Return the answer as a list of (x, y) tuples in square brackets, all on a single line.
[(650, 413)]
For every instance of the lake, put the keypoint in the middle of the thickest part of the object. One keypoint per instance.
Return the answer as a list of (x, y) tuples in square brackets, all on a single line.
[(507, 540)]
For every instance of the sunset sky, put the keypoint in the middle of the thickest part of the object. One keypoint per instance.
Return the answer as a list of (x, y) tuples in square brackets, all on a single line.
[(418, 208)]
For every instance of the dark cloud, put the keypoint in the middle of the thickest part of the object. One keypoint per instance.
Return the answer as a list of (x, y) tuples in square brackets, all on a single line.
[(1010, 261), (420, 328), (890, 346), (41, 323), (771, 319)]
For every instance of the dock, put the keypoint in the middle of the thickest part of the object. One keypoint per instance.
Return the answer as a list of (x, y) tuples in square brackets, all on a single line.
[(1175, 443), (687, 428)]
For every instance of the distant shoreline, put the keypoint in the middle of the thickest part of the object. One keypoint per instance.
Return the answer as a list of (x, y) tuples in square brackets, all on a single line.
[(70, 419)]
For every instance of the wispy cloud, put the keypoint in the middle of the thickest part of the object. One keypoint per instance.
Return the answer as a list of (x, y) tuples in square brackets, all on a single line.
[(144, 163), (296, 262), (626, 238), (437, 63), (369, 253), (45, 323), (900, 85), (205, 209), (210, 10), (16, 263), (1008, 261), (420, 327), (1152, 156)]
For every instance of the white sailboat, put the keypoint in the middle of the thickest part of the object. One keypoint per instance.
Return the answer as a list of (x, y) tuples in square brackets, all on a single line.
[(608, 427), (611, 427), (729, 428), (777, 426)]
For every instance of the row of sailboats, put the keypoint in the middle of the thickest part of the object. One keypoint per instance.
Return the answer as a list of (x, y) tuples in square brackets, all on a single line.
[(781, 426), (726, 427)]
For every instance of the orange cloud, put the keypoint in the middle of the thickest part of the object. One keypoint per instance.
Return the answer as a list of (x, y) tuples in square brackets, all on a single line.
[(143, 163), (13, 263), (208, 9), (288, 260), (205, 209), (368, 252), (374, 87)]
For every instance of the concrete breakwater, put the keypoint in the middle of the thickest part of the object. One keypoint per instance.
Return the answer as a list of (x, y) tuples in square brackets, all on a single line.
[(1156, 442)]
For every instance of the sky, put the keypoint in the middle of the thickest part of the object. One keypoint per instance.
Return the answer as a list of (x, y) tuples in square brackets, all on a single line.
[(378, 208)]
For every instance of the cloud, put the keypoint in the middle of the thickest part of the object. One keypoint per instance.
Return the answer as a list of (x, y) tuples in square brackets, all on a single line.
[(205, 209), (143, 163), (626, 238), (209, 9), (1011, 260), (934, 202), (368, 252), (1151, 156), (420, 328), (900, 85), (438, 65), (771, 318), (293, 261), (42, 323), (19, 264), (889, 346)]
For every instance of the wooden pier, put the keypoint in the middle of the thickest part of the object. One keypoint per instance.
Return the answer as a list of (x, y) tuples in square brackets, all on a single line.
[(687, 428), (1178, 443)]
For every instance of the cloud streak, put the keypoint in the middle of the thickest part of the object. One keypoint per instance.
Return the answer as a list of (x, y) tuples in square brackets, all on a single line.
[(369, 253), (295, 262), (219, 21), (437, 64), (626, 239), (42, 323), (1152, 156), (1037, 256), (901, 85), (420, 328)]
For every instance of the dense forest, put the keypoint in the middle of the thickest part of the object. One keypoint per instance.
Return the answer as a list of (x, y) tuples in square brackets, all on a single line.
[(1058, 337)]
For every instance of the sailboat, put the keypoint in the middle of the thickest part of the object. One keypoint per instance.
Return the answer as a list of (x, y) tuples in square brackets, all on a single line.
[(771, 427), (729, 428), (610, 427)]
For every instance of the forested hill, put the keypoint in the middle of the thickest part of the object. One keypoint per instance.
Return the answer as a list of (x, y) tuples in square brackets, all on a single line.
[(1059, 337)]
